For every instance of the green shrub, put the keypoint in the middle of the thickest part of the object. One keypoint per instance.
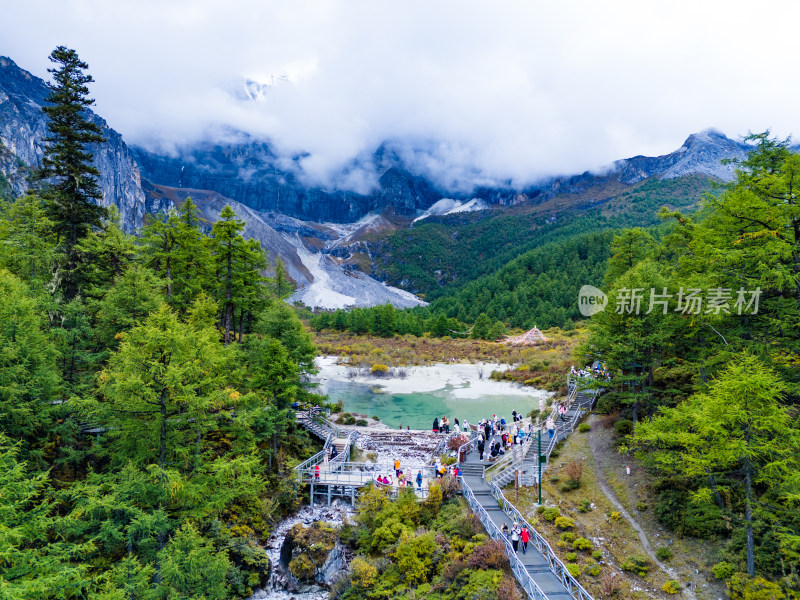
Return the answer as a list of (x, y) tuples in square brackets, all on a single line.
[(303, 568), (348, 420), (641, 506), (376, 418), (675, 510), (569, 485), (568, 536), (571, 556), (663, 553), (742, 587), (582, 544), (623, 427), (723, 570), (597, 554), (448, 460), (540, 509), (592, 568), (379, 369), (584, 506), (564, 523), (584, 427), (361, 422), (555, 478), (573, 569), (607, 404), (637, 563), (551, 514), (671, 587), (363, 574)]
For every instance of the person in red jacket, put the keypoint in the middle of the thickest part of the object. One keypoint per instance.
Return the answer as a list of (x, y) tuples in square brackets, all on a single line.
[(525, 537)]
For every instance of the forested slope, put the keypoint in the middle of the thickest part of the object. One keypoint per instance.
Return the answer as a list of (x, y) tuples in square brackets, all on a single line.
[(146, 431), (445, 252), (700, 336)]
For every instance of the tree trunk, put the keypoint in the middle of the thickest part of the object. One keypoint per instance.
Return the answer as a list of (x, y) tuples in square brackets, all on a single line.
[(169, 279), (748, 517), (712, 483), (162, 457), (228, 305)]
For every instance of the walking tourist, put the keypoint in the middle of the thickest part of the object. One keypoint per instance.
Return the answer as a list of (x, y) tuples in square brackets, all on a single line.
[(435, 425), (397, 470), (562, 410), (419, 480), (525, 537), (515, 531), (504, 529), (551, 427)]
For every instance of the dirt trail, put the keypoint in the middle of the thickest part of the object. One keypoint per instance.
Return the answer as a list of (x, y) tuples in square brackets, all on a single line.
[(600, 449)]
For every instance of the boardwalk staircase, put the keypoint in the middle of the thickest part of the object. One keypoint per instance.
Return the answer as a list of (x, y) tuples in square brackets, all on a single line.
[(539, 571)]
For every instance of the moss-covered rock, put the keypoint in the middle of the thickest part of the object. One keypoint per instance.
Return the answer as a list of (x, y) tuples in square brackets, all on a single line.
[(312, 552)]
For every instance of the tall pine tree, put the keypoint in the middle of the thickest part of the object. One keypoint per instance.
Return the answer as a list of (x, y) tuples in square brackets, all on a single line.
[(70, 199)]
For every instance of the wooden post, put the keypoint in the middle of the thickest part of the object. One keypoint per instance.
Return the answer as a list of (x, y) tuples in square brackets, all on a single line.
[(516, 486)]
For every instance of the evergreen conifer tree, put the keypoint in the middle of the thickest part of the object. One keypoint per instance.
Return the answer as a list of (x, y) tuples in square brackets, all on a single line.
[(70, 200)]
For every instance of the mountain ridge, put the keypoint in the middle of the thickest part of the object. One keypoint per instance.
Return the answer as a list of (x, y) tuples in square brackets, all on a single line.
[(23, 125)]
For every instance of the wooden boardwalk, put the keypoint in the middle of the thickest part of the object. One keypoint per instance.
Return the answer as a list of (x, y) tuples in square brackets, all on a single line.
[(539, 571)]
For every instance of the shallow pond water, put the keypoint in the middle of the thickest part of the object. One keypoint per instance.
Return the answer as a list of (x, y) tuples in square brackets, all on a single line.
[(419, 394)]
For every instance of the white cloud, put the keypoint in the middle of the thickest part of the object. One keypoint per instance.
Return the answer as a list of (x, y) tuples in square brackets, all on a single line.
[(517, 90)]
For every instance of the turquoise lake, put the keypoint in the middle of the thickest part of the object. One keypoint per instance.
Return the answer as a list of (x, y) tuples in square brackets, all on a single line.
[(418, 409)]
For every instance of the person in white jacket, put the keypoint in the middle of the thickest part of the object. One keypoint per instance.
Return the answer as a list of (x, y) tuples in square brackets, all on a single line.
[(515, 531)]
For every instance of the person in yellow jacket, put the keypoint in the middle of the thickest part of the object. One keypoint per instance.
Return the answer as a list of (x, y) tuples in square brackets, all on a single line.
[(397, 470)]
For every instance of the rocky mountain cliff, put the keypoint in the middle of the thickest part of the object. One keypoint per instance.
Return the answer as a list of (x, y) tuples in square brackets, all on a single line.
[(701, 153), (249, 172), (322, 279), (23, 126)]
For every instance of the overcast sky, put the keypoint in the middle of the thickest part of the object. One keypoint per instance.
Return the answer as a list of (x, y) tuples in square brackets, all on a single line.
[(513, 89)]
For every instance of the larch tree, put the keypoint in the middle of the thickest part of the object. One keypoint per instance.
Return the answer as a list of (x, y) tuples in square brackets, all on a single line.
[(27, 236), (71, 199), (749, 241), (192, 267), (162, 389), (238, 263), (738, 428), (633, 333)]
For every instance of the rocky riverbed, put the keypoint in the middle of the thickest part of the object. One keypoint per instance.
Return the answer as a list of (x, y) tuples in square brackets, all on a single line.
[(377, 444), (281, 586)]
